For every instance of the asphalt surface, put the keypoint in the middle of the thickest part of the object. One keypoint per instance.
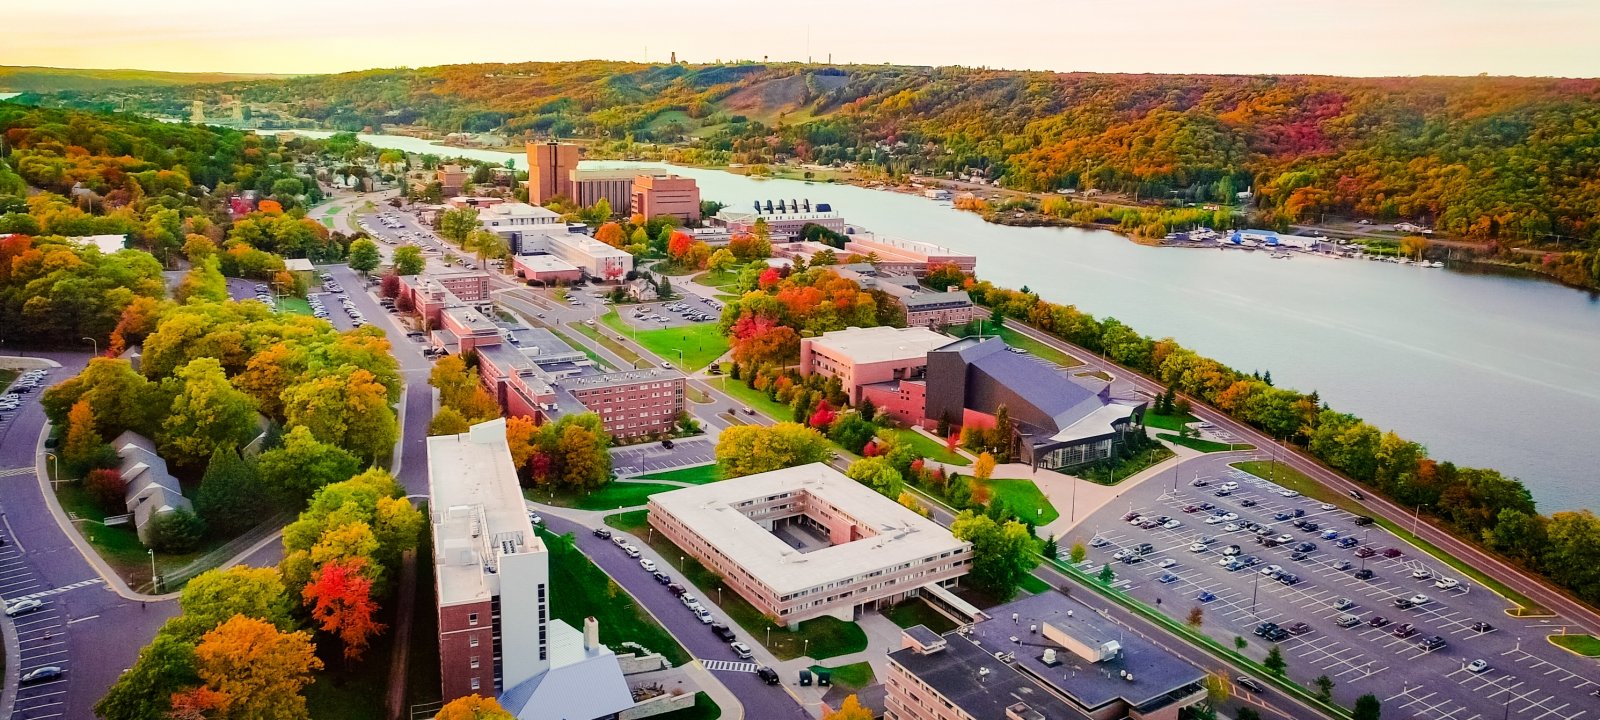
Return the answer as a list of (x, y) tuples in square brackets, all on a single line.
[(1525, 674), (761, 701), (83, 627), (1576, 614)]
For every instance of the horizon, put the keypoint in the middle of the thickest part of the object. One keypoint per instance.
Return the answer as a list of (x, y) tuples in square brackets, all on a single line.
[(1438, 38)]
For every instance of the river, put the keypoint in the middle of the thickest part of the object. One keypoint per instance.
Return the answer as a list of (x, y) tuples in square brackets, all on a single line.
[(1485, 370)]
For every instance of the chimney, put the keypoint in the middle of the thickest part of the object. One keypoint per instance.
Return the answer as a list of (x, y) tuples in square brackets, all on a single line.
[(591, 634)]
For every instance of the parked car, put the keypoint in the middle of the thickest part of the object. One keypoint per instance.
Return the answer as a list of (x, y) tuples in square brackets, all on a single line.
[(1404, 630), (1365, 552), (723, 631), (1299, 628), (1205, 597), (23, 607), (1482, 627), (1447, 583), (704, 616), (1421, 574), (1167, 579), (741, 649), (662, 577), (1392, 553), (631, 551), (1098, 541), (42, 674), (1420, 599), (767, 675), (675, 589), (1347, 621), (1364, 574), (1431, 644), (1477, 666), (1343, 603), (1378, 621)]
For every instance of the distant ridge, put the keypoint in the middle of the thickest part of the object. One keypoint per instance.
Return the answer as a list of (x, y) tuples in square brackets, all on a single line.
[(27, 78)]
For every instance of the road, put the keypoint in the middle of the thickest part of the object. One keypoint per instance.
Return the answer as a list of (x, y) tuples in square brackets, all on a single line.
[(84, 627), (761, 701), (1580, 615)]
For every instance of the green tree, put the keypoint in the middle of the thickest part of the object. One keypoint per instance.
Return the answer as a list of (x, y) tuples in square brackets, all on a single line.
[(229, 499), (1247, 713), (177, 531), (456, 224), (1050, 548), (164, 667), (447, 421), (1367, 708), (485, 245), (1240, 643), (1217, 688), (878, 474), (1002, 555), (852, 431), (1079, 552), (750, 449), (1106, 574), (585, 463), (1275, 662), (207, 413), (408, 260), (364, 256), (302, 465), (1324, 687), (203, 282), (721, 261), (216, 595)]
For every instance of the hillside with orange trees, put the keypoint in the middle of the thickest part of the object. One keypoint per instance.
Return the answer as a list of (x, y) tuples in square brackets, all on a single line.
[(1512, 160)]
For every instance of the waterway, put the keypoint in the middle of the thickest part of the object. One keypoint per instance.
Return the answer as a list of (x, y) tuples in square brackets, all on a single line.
[(1485, 370)]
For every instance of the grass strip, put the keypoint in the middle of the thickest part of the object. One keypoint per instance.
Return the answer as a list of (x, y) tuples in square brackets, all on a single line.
[(1202, 444), (697, 475), (582, 589), (1585, 645), (926, 446)]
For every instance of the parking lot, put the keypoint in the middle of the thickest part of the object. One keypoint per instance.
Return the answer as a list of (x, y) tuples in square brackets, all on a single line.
[(651, 457), (1379, 647), (393, 228), (690, 310), (27, 387), (41, 635)]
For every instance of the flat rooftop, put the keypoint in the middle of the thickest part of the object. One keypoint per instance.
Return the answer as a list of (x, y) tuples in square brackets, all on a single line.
[(516, 210), (882, 343), (620, 378), (971, 678), (545, 263), (471, 319), (712, 511), (1157, 673), (476, 508)]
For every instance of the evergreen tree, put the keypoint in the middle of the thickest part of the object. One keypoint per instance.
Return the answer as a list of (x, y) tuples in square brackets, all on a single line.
[(230, 495), (1275, 662)]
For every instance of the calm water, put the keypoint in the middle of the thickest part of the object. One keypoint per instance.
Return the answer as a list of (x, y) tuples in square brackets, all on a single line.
[(1485, 370)]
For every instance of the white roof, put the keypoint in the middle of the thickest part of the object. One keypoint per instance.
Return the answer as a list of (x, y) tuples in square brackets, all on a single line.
[(515, 209), (107, 243), (1097, 423), (882, 343), (544, 263), (477, 510), (711, 511), (298, 265)]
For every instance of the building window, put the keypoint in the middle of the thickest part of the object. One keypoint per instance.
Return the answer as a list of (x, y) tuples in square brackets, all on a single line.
[(474, 683), (472, 618), (474, 662), (472, 641)]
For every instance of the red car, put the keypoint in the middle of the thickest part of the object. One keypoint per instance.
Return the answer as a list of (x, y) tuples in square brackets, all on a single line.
[(1191, 508), (1365, 552), (1405, 631), (1391, 552)]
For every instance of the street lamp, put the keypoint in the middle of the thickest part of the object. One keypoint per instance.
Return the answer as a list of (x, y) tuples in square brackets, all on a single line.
[(1416, 515), (154, 581), (55, 480), (680, 563), (96, 345)]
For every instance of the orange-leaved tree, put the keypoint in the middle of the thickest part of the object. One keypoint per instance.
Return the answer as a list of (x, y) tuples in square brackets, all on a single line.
[(473, 707), (261, 669)]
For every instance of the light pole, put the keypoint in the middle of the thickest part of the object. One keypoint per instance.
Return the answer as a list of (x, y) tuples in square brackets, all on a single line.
[(55, 480), (154, 581), (680, 563), (769, 636), (1416, 515), (96, 344)]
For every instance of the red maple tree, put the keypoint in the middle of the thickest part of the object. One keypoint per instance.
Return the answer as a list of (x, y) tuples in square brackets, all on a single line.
[(340, 597)]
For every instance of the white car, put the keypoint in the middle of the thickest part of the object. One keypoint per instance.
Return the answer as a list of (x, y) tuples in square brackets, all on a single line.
[(1447, 583), (648, 565), (1214, 519), (1270, 569), (704, 617), (688, 600), (1230, 517), (1172, 524), (1421, 574), (1197, 547), (741, 649), (1166, 563), (21, 607), (1288, 493), (1230, 485), (632, 551), (1326, 506), (1420, 599), (1477, 666), (1230, 527), (1135, 520)]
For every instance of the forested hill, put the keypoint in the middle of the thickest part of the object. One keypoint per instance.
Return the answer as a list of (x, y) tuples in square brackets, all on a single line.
[(24, 78), (1512, 158)]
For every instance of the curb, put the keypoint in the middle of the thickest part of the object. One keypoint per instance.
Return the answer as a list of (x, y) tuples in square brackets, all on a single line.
[(13, 650), (1552, 640)]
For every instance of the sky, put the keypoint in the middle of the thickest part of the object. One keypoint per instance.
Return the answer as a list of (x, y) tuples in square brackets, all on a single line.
[(1331, 37)]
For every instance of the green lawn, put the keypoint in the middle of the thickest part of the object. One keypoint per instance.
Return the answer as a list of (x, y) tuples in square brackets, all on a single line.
[(1167, 422), (1097, 374), (1585, 645), (7, 377), (1024, 499), (719, 280), (583, 590), (914, 612), (701, 342), (927, 446), (820, 638), (1126, 468), (697, 475), (1018, 340), (1295, 480), (294, 305), (628, 356), (632, 521), (1033, 585), (754, 398), (851, 677), (611, 496), (1202, 444), (600, 361), (704, 709)]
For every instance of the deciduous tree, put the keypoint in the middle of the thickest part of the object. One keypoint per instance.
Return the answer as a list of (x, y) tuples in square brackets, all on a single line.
[(207, 413), (878, 474), (850, 709), (984, 467), (364, 256), (408, 260), (302, 465), (1002, 555), (340, 597), (473, 707), (456, 224), (261, 669), (751, 449)]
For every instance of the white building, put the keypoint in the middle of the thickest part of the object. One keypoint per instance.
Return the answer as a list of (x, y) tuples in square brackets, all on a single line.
[(518, 215), (593, 257), (492, 577)]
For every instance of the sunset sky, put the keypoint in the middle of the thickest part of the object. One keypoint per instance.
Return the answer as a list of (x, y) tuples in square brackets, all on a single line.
[(1336, 37)]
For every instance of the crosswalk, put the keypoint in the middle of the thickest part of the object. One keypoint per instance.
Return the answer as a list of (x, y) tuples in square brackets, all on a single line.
[(59, 590), (729, 666), (13, 472)]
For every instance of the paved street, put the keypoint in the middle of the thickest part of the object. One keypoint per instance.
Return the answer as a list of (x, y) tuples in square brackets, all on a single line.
[(760, 700), (1534, 677), (83, 627)]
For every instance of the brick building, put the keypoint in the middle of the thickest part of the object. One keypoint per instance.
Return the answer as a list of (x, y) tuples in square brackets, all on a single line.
[(589, 186), (915, 257), (550, 165), (655, 195), (806, 541), (493, 592)]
